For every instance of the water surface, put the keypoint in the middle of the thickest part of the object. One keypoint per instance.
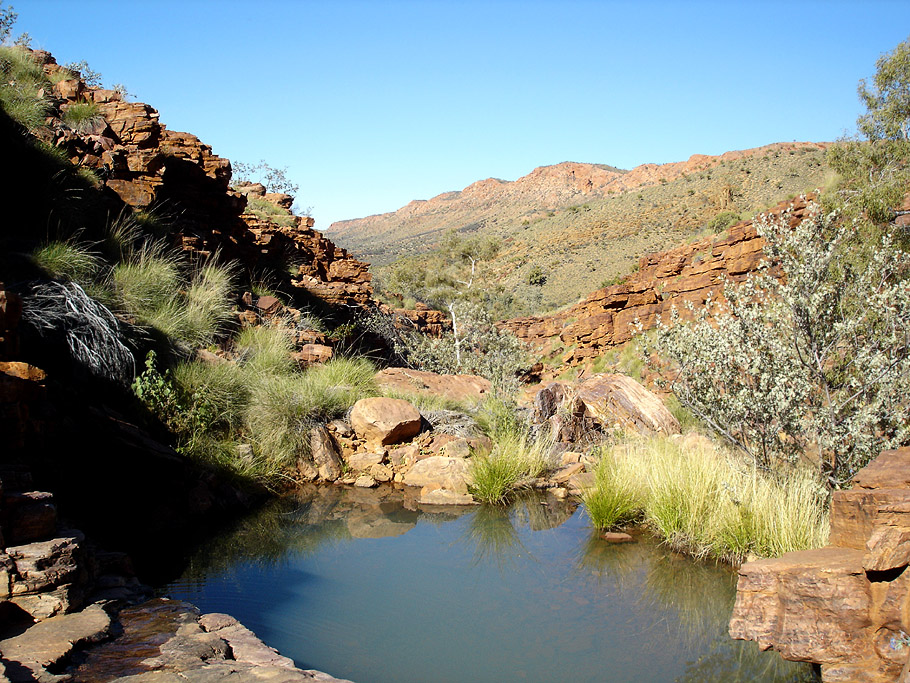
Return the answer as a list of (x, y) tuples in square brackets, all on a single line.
[(369, 586)]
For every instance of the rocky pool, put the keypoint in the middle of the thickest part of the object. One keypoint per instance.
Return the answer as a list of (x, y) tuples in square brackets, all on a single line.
[(367, 585)]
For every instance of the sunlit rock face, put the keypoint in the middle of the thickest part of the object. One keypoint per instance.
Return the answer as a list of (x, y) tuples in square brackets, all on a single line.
[(844, 606)]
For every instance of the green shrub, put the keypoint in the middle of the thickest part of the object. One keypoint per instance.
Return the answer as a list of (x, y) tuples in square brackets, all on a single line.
[(66, 261), (818, 360), (723, 220), (536, 277), (82, 117)]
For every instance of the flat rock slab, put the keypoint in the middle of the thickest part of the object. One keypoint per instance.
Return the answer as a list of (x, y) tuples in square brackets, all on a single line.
[(456, 387), (441, 472), (50, 642), (385, 421), (617, 537)]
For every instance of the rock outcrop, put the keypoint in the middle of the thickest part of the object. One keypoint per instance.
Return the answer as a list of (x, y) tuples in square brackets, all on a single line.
[(845, 606), (148, 167), (686, 274), (584, 412), (455, 387)]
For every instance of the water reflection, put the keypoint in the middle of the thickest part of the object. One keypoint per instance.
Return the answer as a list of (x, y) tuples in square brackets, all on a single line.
[(532, 582)]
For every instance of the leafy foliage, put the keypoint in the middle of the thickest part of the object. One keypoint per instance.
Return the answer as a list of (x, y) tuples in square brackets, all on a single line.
[(887, 99), (91, 77), (7, 21), (818, 360), (275, 179)]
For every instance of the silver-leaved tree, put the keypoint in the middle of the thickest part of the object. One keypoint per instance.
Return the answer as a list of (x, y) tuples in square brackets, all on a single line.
[(810, 357)]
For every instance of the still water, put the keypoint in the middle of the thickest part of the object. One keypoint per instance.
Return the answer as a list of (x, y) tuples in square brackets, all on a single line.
[(369, 586)]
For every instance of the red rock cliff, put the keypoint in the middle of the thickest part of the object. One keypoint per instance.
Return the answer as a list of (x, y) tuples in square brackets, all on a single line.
[(688, 273)]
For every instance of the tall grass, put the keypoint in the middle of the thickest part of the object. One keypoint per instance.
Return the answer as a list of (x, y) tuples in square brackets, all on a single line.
[(65, 260), (283, 407), (266, 350), (82, 117), (515, 460), (23, 88), (152, 290), (700, 500)]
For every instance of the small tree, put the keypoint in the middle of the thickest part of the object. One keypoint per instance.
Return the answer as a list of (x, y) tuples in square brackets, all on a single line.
[(888, 98), (275, 179), (815, 360), (7, 21), (91, 77)]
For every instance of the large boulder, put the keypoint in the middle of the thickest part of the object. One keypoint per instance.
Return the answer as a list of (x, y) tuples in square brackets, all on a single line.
[(440, 472), (385, 421), (844, 606), (618, 399), (325, 454), (455, 387)]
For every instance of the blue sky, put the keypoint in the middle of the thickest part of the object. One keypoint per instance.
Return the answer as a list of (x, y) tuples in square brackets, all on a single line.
[(373, 104)]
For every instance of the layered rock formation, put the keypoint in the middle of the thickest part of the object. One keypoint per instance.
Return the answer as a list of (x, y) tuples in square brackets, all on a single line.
[(845, 606), (150, 168), (674, 278)]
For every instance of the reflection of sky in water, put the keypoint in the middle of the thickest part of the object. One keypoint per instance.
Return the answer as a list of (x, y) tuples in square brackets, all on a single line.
[(368, 590)]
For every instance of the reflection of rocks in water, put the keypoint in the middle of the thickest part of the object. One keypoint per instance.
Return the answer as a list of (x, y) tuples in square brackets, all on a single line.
[(492, 530), (541, 511)]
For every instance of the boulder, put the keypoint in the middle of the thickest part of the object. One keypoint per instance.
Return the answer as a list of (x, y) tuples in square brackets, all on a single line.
[(439, 471), (844, 606), (455, 387), (617, 399), (325, 454), (385, 421), (313, 354), (28, 517)]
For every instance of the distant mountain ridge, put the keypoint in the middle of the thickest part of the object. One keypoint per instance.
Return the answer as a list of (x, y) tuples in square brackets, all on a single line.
[(381, 237)]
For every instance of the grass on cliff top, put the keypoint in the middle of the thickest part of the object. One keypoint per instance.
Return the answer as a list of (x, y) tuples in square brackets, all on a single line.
[(23, 88), (699, 499)]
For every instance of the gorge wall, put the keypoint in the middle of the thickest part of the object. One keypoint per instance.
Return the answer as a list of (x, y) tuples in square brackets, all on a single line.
[(686, 274), (145, 166)]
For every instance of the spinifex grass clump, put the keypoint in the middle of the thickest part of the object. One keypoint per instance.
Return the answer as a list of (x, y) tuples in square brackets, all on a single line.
[(23, 88), (66, 261), (615, 500), (82, 117), (516, 458), (285, 406), (151, 288), (700, 500)]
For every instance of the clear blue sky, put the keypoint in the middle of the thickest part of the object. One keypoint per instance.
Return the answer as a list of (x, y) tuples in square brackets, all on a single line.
[(372, 104)]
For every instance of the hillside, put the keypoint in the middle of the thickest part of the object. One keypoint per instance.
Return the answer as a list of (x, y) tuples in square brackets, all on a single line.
[(584, 224)]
